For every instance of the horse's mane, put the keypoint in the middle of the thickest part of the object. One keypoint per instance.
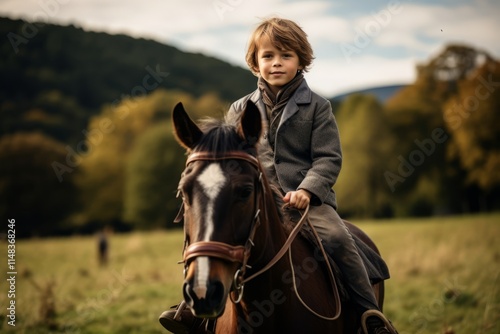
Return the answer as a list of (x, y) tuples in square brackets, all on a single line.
[(219, 136)]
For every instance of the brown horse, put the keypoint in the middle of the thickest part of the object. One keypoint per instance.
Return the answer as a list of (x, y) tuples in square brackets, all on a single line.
[(234, 230)]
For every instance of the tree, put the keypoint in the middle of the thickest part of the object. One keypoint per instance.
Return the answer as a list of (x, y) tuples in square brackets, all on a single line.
[(365, 139), (434, 104), (152, 172), (455, 63), (473, 119), (30, 191), (111, 138)]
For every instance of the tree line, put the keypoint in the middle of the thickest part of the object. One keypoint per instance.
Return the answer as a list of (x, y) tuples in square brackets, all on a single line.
[(55, 78), (433, 148)]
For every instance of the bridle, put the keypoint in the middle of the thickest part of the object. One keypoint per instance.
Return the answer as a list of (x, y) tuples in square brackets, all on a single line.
[(220, 250), (241, 253)]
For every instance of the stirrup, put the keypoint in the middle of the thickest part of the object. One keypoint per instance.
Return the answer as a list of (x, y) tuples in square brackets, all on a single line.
[(379, 315)]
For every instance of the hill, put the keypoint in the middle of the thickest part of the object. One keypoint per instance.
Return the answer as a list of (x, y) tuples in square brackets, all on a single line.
[(55, 77), (382, 93)]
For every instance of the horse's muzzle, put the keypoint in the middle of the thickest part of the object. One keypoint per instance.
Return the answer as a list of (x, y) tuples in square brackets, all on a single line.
[(207, 286), (210, 306)]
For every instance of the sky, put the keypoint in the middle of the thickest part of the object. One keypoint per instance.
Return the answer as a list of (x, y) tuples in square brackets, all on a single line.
[(357, 44)]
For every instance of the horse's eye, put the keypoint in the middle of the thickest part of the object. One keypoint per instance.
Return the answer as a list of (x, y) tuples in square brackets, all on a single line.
[(245, 192)]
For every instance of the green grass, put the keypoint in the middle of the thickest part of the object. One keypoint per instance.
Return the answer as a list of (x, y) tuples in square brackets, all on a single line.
[(445, 279), (444, 273)]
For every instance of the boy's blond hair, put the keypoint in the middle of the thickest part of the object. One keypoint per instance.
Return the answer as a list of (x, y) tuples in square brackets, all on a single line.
[(285, 35)]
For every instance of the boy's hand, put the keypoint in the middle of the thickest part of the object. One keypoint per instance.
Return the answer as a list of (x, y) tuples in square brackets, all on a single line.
[(298, 199)]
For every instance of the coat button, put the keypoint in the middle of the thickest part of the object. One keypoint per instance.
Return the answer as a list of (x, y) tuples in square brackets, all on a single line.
[(278, 161)]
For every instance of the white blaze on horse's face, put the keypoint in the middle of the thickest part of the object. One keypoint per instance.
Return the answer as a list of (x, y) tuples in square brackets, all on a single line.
[(212, 179)]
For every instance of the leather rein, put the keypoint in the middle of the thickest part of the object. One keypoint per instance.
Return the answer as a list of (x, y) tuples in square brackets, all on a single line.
[(241, 253)]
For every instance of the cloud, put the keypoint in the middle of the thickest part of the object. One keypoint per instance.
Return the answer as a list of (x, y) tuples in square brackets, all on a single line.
[(398, 32), (333, 77), (423, 28)]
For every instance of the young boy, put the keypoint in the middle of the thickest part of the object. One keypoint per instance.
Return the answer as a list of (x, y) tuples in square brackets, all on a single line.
[(300, 149)]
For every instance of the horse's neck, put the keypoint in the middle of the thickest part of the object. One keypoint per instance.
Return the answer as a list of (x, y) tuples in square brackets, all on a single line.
[(270, 235), (264, 295)]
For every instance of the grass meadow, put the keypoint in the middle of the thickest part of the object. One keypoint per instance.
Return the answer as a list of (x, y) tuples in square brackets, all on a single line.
[(445, 279)]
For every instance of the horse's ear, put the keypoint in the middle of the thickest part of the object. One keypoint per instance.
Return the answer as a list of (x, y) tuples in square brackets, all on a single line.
[(251, 123), (187, 132)]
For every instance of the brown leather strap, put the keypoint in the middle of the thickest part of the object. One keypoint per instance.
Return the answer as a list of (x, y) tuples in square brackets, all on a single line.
[(336, 296), (215, 249), (210, 156), (284, 248), (180, 214)]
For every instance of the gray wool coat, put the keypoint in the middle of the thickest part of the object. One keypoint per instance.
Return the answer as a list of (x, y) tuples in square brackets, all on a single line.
[(307, 151)]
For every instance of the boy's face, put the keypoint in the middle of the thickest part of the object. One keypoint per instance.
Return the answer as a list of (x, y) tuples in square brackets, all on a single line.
[(277, 67)]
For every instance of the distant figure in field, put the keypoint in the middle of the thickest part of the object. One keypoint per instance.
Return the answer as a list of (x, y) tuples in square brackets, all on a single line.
[(103, 246)]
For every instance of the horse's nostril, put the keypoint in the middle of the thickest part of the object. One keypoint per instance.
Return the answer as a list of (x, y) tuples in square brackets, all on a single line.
[(215, 294), (187, 295), (208, 305)]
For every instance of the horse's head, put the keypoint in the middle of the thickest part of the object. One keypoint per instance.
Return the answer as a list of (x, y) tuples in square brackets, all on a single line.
[(220, 189)]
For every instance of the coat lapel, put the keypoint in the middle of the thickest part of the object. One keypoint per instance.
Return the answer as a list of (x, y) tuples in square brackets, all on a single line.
[(256, 98), (301, 96)]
